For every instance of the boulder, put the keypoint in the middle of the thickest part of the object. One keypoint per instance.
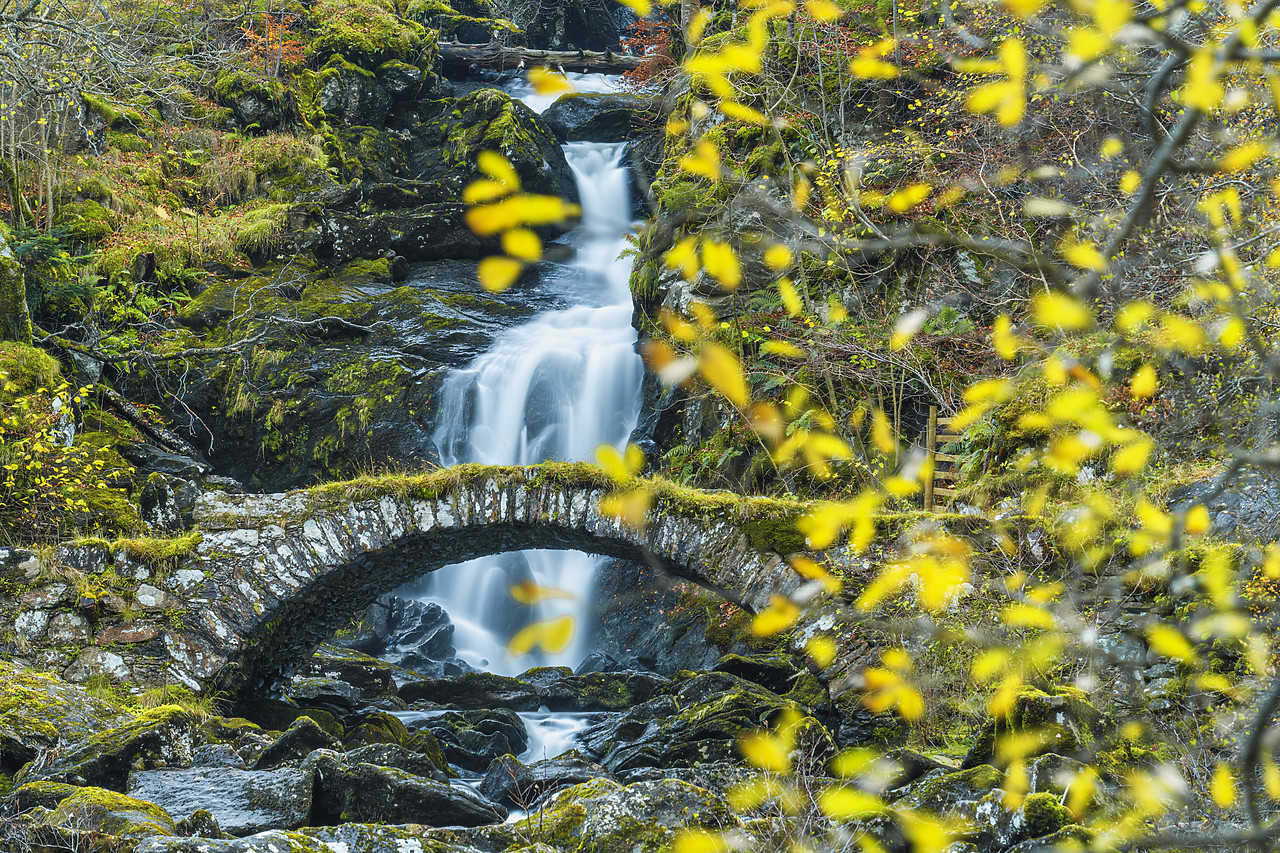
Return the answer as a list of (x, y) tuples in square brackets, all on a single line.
[(328, 692), (1061, 722), (37, 711), (242, 802), (429, 765), (351, 95), (604, 817), (561, 690), (298, 741), (347, 791), (160, 737), (511, 783), (473, 739), (600, 116), (699, 722), (475, 690), (109, 813)]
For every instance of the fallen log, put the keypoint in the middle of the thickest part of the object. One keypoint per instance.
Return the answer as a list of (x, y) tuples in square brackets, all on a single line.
[(493, 56)]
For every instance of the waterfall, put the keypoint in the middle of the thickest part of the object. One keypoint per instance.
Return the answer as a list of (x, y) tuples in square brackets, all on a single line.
[(555, 388)]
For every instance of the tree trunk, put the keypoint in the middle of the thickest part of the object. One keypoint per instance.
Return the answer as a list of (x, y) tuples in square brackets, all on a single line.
[(15, 319)]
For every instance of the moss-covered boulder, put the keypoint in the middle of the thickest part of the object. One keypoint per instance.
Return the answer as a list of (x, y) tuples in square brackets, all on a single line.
[(698, 721), (605, 817), (45, 795), (600, 116), (347, 791), (38, 711), (368, 32), (473, 739), (161, 737), (474, 690), (240, 802), (512, 783), (1062, 722), (303, 737), (349, 94), (109, 813)]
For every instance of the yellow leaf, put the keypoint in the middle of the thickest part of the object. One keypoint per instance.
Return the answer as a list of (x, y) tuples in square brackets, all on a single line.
[(498, 168), (631, 507), (548, 82), (1243, 156), (704, 161), (523, 244), (1021, 615), (552, 635), (1202, 89), (484, 190), (722, 371), (908, 197), (1223, 787), (988, 664), (823, 10), (766, 751), (811, 570), (821, 650), (700, 841), (1132, 458), (1170, 642), (742, 112), (1055, 309), (497, 273), (1084, 255), (518, 210), (1143, 383), (1181, 334), (642, 8), (608, 458), (528, 592), (683, 256), (882, 432), (697, 25), (790, 298), (841, 803), (780, 615), (721, 263), (777, 257), (782, 348)]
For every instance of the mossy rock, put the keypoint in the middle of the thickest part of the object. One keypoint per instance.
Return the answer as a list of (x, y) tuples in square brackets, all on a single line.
[(111, 813), (43, 794), (37, 711), (85, 221), (370, 33), (157, 738), (1044, 814), (28, 368), (1063, 722), (375, 727)]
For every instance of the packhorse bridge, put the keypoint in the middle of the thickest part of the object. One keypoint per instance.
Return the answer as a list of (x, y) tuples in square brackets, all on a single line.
[(271, 576)]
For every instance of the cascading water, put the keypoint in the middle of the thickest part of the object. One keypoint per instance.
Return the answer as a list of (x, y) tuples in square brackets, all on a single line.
[(554, 389)]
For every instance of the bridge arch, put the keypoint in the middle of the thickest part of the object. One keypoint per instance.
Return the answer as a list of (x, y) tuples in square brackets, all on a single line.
[(276, 574)]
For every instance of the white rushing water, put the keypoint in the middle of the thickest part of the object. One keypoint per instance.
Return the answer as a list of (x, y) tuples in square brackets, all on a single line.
[(555, 388), (596, 83)]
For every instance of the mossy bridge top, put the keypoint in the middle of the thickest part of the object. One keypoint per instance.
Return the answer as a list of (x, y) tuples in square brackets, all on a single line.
[(270, 576)]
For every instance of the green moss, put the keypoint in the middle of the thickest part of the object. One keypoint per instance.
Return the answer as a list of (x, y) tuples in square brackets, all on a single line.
[(86, 221), (162, 553), (1044, 815), (111, 813), (28, 368), (109, 511), (116, 116), (368, 32), (775, 534), (45, 794)]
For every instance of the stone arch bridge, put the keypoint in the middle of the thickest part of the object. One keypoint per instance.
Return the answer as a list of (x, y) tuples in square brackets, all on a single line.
[(274, 575)]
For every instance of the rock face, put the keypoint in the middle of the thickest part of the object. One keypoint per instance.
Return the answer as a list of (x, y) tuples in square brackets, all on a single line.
[(363, 793)]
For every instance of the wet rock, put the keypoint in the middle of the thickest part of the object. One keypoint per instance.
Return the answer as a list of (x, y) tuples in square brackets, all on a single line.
[(330, 692), (216, 755), (473, 739), (598, 691), (475, 690), (599, 116), (243, 802), (604, 817), (856, 725), (161, 737), (303, 736), (699, 723), (202, 824), (511, 783), (362, 792), (109, 813), (351, 94), (428, 764), (369, 675)]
